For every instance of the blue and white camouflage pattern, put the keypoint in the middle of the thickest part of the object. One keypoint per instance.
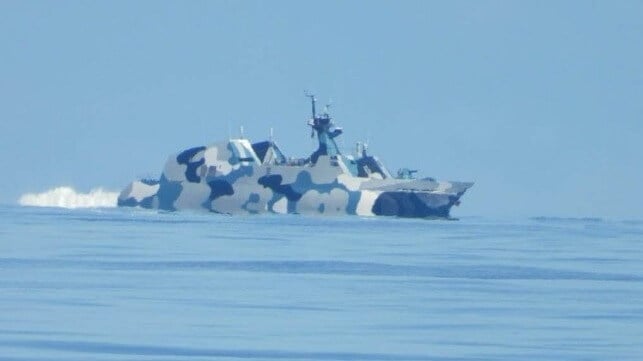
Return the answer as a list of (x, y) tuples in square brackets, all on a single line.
[(238, 177)]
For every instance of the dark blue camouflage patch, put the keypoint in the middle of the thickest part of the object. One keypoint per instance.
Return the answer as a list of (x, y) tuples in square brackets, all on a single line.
[(168, 193), (147, 202), (185, 157), (253, 199), (127, 202), (150, 182), (322, 150), (273, 182), (411, 204), (218, 188)]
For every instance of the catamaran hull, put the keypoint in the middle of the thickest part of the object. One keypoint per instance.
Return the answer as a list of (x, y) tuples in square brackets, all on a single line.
[(224, 178), (337, 201)]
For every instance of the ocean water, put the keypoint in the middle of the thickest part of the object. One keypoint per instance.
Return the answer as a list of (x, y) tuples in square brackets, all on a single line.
[(129, 284)]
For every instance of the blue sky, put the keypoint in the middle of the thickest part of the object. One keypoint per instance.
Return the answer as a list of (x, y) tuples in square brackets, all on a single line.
[(539, 103)]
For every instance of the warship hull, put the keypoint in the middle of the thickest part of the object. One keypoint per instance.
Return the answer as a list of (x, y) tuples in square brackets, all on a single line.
[(237, 177)]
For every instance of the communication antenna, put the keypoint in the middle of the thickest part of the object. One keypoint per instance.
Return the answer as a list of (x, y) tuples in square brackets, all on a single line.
[(241, 131), (313, 101), (271, 136), (229, 132), (365, 145)]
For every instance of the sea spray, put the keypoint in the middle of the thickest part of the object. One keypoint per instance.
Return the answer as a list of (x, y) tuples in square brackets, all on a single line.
[(67, 197)]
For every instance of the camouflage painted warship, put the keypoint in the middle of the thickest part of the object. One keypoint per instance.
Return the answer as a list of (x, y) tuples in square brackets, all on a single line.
[(237, 176)]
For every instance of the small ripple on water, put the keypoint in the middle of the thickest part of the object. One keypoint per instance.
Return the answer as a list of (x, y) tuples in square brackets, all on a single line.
[(158, 351), (333, 268)]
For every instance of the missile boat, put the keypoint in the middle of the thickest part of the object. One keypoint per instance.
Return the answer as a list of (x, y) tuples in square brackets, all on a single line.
[(237, 176)]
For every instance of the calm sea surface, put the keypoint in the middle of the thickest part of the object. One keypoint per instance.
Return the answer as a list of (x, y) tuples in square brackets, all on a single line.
[(122, 284)]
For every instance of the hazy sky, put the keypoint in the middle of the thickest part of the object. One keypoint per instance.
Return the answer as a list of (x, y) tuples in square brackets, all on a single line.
[(540, 103)]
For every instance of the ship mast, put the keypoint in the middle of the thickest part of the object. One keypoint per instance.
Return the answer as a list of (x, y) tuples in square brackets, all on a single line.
[(313, 101), (326, 132)]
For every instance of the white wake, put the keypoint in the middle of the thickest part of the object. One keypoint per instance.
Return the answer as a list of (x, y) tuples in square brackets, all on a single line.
[(67, 197)]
